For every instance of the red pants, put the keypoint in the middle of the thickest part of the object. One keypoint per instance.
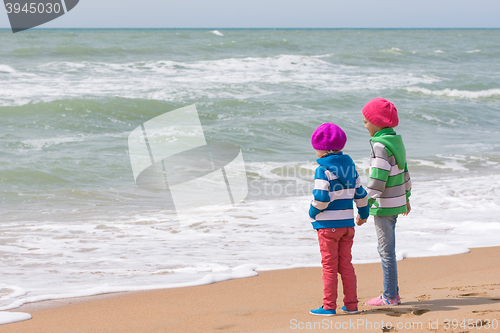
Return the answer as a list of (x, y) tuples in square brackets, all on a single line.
[(335, 246)]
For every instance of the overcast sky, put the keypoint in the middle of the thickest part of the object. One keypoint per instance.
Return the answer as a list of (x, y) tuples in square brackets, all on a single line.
[(278, 14)]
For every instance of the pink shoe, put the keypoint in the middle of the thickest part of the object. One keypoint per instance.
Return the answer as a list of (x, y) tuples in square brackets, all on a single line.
[(381, 301)]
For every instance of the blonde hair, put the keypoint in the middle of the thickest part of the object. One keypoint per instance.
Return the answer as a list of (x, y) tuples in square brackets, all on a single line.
[(329, 152)]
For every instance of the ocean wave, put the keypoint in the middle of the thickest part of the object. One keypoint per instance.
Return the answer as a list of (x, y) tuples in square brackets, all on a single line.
[(217, 33), (39, 144), (242, 65), (229, 78), (6, 69), (275, 172), (392, 50), (453, 165), (73, 50), (328, 55), (462, 94)]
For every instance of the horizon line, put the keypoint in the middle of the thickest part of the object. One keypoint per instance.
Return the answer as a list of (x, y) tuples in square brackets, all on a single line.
[(297, 28)]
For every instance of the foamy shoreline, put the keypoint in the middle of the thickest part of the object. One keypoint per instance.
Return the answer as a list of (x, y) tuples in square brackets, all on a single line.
[(433, 289), (449, 217)]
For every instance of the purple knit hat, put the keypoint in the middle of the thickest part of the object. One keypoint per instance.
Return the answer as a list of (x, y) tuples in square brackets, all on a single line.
[(328, 137)]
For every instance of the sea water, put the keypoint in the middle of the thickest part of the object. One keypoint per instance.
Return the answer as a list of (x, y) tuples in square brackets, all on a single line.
[(74, 223)]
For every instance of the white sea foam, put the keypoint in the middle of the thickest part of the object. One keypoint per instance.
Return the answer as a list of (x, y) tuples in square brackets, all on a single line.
[(147, 249), (393, 50), (450, 164), (216, 32), (238, 272), (6, 69), (463, 94), (324, 55), (39, 144), (474, 51), (13, 317), (232, 78)]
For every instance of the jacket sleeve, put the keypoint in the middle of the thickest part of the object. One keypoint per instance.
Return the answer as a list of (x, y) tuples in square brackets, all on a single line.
[(407, 183), (321, 193), (380, 169), (361, 200)]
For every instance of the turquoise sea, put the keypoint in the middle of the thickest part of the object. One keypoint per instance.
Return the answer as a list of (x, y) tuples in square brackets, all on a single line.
[(73, 221)]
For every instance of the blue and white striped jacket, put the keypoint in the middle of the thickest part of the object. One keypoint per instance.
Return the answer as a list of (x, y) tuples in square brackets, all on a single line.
[(336, 186)]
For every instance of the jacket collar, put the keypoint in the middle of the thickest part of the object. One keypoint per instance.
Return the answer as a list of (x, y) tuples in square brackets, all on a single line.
[(385, 131)]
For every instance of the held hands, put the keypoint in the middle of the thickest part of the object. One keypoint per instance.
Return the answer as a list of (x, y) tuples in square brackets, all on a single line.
[(360, 221), (408, 209)]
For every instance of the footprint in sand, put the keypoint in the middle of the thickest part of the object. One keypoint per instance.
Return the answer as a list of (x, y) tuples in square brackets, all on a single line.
[(482, 312), (419, 312), (423, 297), (483, 290), (492, 286), (480, 324), (401, 312), (473, 295)]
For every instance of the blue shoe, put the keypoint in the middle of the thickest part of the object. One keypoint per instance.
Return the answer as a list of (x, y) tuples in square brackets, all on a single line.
[(323, 312), (350, 312)]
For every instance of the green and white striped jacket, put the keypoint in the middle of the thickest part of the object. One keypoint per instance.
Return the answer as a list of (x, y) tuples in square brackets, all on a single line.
[(390, 185)]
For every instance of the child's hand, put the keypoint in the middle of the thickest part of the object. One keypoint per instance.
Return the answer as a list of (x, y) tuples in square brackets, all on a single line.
[(360, 221), (408, 209)]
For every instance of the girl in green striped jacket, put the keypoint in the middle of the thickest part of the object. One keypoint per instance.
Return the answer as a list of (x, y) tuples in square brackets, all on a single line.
[(389, 190)]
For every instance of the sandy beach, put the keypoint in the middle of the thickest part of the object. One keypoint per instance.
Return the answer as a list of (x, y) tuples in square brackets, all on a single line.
[(459, 293)]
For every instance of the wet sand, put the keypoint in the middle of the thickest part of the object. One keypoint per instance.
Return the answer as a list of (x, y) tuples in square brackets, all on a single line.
[(438, 294)]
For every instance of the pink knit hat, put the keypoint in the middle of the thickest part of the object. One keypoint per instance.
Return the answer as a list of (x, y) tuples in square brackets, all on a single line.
[(380, 112), (328, 137)]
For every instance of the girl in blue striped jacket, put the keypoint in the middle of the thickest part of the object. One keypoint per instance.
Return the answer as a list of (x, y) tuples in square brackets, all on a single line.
[(336, 186)]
